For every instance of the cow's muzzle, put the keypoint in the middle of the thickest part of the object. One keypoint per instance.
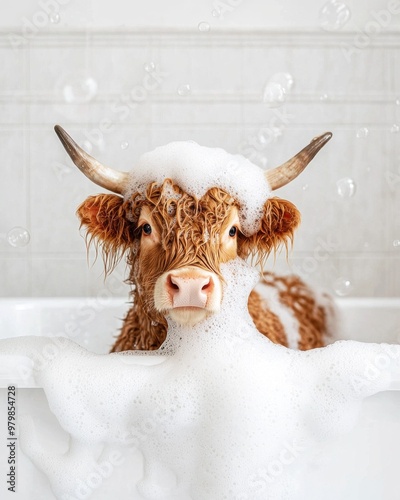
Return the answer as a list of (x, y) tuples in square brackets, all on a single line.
[(188, 294)]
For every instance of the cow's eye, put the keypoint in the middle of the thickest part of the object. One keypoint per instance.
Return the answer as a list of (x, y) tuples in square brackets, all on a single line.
[(146, 229), (232, 231)]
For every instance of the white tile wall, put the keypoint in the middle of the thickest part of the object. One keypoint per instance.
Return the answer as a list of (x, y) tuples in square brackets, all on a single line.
[(227, 72)]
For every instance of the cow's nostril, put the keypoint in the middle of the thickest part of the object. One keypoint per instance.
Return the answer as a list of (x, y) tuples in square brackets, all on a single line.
[(173, 284), (206, 286)]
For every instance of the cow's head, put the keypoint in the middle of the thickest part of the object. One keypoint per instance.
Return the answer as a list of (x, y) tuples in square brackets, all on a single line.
[(176, 241)]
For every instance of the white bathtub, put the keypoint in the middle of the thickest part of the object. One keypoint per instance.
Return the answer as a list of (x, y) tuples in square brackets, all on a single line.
[(360, 465)]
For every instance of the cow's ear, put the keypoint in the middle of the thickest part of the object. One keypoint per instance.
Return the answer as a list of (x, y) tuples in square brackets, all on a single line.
[(105, 218), (278, 223)]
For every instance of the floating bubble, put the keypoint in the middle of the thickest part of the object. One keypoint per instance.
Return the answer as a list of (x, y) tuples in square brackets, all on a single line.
[(204, 27), (274, 95), (124, 145), (18, 237), (54, 17), (150, 66), (346, 187), (216, 13), (286, 80), (184, 90), (397, 102), (79, 89), (266, 135), (342, 287), (276, 89), (323, 97), (396, 243), (87, 146), (362, 132), (304, 187), (334, 15), (395, 128)]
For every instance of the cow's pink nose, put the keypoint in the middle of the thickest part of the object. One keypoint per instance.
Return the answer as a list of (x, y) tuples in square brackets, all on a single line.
[(189, 292)]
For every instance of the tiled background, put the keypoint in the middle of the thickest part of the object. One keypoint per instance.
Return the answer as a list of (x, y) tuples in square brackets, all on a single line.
[(133, 67)]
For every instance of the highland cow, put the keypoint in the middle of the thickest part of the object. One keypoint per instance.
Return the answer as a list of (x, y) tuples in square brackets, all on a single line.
[(176, 240)]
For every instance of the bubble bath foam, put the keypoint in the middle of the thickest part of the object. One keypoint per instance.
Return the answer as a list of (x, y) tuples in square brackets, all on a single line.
[(220, 412)]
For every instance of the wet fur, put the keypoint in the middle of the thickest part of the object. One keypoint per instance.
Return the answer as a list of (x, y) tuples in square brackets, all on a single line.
[(190, 231)]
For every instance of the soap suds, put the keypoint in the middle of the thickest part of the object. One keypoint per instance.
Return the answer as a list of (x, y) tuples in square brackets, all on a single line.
[(196, 169), (221, 413)]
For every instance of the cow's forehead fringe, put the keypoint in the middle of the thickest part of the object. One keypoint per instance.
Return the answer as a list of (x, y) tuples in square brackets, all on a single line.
[(196, 169)]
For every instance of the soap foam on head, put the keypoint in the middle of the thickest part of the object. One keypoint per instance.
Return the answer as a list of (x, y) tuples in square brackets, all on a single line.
[(221, 412), (196, 169)]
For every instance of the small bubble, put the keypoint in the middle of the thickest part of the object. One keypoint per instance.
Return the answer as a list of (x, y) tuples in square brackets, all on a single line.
[(304, 187), (124, 145), (263, 160), (323, 97), (362, 132), (366, 245), (54, 17), (346, 187), (286, 80), (18, 237), (216, 13), (184, 90), (342, 287), (395, 128), (204, 27), (334, 15), (276, 89), (274, 95), (150, 66), (87, 146), (396, 243), (397, 102), (79, 89)]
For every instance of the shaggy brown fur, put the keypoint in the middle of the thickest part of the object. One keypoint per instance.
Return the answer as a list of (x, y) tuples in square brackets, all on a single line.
[(189, 235)]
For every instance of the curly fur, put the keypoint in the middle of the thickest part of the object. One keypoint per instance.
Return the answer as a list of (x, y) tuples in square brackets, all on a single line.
[(189, 230)]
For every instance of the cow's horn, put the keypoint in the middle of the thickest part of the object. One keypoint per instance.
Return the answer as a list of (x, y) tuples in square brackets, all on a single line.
[(106, 177), (282, 175)]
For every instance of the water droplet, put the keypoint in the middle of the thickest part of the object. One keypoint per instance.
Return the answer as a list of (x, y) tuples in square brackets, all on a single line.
[(18, 237), (334, 15), (304, 187), (362, 132), (80, 89), (323, 97), (124, 145), (396, 243), (397, 102), (150, 66), (184, 90), (216, 13), (87, 146), (342, 287), (395, 128), (54, 17), (346, 187), (204, 27)]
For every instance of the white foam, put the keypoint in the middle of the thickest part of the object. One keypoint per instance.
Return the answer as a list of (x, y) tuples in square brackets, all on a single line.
[(198, 168), (222, 413)]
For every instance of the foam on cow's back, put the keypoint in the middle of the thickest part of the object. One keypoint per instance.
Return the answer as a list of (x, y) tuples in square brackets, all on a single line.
[(196, 169)]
